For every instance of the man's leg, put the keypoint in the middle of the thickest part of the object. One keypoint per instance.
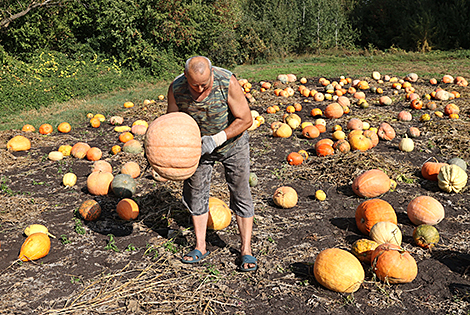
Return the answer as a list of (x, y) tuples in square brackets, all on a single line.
[(245, 228)]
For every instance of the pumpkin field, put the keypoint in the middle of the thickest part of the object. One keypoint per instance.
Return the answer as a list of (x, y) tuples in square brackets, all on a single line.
[(330, 158)]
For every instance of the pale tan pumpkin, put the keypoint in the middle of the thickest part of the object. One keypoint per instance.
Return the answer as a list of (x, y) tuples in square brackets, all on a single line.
[(173, 145), (452, 178), (285, 197), (425, 210), (386, 232)]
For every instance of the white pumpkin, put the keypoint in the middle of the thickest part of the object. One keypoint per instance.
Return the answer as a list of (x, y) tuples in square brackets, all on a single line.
[(386, 232), (452, 178)]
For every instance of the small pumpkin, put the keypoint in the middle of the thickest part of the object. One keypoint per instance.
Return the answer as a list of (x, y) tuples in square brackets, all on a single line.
[(19, 143), (133, 146), (372, 211), (294, 158), (452, 178), (64, 127), (324, 150), (115, 149), (65, 149), (79, 150), (219, 214), (253, 179), (406, 144), (94, 154), (95, 122), (405, 116), (123, 185), (386, 232), (371, 183), (425, 236), (385, 100), (139, 130), (127, 209), (45, 129), (342, 146), (285, 197), (386, 132), (55, 156), (282, 131), (413, 132), (28, 128), (126, 136), (90, 210), (128, 104), (69, 179), (131, 168), (338, 270), (425, 210), (430, 170), (372, 135), (99, 183), (36, 246), (392, 264), (116, 120), (363, 248), (310, 132)]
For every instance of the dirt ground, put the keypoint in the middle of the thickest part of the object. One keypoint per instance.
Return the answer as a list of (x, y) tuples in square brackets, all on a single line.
[(133, 267)]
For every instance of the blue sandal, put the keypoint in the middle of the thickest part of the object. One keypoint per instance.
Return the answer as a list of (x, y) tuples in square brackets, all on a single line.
[(248, 259), (196, 256)]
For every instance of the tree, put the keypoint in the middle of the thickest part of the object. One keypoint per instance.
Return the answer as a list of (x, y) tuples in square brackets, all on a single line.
[(12, 10)]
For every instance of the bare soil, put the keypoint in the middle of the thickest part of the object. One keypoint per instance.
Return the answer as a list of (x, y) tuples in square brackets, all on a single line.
[(133, 267)]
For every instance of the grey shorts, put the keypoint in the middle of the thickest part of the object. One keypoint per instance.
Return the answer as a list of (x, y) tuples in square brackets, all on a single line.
[(236, 164)]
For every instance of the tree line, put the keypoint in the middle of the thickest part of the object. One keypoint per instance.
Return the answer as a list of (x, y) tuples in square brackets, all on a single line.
[(157, 35)]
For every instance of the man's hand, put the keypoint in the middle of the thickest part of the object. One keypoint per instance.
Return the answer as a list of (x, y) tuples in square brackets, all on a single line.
[(209, 143)]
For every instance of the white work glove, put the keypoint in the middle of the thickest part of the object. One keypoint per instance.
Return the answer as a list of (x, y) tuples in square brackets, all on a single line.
[(209, 143)]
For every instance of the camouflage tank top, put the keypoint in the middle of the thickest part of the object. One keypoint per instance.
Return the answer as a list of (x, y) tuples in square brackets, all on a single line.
[(211, 114)]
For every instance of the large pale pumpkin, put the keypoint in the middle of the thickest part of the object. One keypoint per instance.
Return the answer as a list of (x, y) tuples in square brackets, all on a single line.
[(392, 264), (425, 210), (219, 214), (371, 183), (452, 178), (372, 211), (36, 245), (338, 270), (173, 145)]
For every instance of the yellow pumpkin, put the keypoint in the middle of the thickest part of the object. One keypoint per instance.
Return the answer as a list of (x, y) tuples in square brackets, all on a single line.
[(65, 149), (36, 245), (338, 270), (363, 248), (219, 214), (19, 143)]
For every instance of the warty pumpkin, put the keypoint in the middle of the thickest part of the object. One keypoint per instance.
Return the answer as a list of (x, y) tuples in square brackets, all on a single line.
[(36, 245), (371, 183), (425, 210), (219, 214), (338, 270), (372, 211), (452, 178), (363, 248), (90, 210), (173, 145)]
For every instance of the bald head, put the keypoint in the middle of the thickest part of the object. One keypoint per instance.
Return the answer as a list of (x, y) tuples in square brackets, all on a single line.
[(197, 65)]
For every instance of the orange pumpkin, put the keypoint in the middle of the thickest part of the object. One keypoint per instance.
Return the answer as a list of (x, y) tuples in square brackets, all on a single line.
[(447, 79), (451, 108), (128, 104), (372, 211), (360, 142), (95, 122), (316, 112), (294, 158), (126, 136), (430, 170), (354, 123), (36, 245), (392, 264), (28, 128), (283, 131), (94, 154), (310, 132), (324, 141), (344, 101), (386, 132), (131, 168), (90, 210), (45, 129), (173, 145), (102, 166), (79, 150), (64, 127), (372, 136), (219, 214), (338, 270), (334, 111), (324, 150), (99, 183), (416, 104), (425, 210), (285, 197), (371, 183), (127, 209), (115, 149), (321, 128)]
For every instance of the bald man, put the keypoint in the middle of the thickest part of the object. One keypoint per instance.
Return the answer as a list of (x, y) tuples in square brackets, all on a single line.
[(213, 97)]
